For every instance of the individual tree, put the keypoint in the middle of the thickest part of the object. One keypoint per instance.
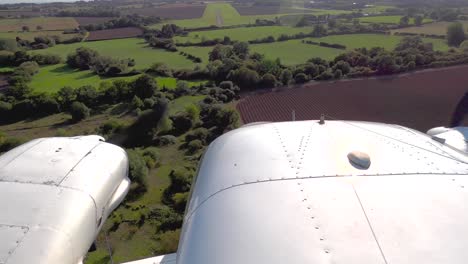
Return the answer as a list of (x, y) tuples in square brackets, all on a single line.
[(241, 49), (136, 102), (79, 111), (455, 34), (39, 28), (268, 81), (301, 78), (25, 28), (332, 23), (343, 66), (286, 76), (244, 77), (418, 20), (145, 86), (404, 21), (338, 74), (8, 45), (83, 58)]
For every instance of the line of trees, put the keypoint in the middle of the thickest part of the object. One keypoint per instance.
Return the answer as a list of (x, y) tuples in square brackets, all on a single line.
[(252, 70)]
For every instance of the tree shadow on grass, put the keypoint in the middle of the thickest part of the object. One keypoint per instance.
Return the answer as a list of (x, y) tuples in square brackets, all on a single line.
[(63, 69), (86, 75)]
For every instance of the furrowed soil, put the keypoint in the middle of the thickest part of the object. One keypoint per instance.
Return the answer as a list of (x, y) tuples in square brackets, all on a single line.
[(419, 100)]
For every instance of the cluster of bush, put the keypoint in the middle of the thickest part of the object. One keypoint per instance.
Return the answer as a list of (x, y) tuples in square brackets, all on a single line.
[(44, 42), (18, 102), (87, 59), (162, 43), (325, 44), (89, 12), (14, 59)]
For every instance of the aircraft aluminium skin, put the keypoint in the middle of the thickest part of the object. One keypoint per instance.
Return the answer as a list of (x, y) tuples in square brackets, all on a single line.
[(291, 192)]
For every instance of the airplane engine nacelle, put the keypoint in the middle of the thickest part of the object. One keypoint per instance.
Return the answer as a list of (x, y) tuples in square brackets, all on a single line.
[(55, 194)]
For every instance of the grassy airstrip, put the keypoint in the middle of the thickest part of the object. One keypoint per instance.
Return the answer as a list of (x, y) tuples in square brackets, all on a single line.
[(229, 16), (126, 48)]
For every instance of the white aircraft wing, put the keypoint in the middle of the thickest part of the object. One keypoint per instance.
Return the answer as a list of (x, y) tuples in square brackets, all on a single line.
[(293, 192), (55, 195), (164, 259)]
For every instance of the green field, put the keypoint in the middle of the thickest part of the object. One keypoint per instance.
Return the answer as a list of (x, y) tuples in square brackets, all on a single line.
[(31, 35), (47, 23), (126, 48), (295, 52), (244, 33), (388, 19), (388, 42), (436, 28), (377, 9), (51, 78), (229, 16)]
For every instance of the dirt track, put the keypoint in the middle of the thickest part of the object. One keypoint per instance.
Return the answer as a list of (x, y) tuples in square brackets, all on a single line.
[(420, 100)]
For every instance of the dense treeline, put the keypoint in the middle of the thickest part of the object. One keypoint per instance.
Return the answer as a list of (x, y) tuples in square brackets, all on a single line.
[(44, 42), (124, 21), (94, 12), (252, 70)]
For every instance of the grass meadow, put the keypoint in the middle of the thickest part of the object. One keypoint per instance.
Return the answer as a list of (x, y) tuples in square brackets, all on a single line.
[(126, 48)]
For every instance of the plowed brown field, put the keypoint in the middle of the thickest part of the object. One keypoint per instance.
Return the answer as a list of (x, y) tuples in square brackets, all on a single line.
[(116, 33), (175, 11), (420, 100)]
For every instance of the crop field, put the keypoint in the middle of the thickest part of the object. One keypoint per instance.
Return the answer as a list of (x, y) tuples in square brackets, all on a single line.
[(420, 100), (389, 42), (3, 81), (115, 33), (388, 19), (47, 23), (51, 78), (83, 21), (243, 33), (436, 28), (181, 11), (126, 48), (31, 35), (19, 13)]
